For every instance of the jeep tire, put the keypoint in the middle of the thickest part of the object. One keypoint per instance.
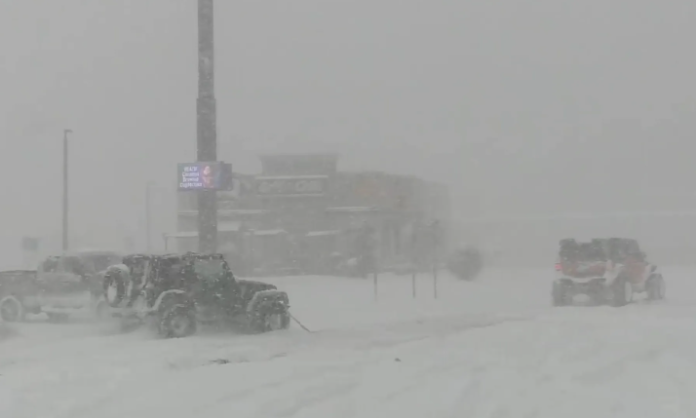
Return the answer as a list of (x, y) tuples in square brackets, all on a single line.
[(114, 289), (559, 294), (177, 322), (268, 321), (656, 287), (621, 292)]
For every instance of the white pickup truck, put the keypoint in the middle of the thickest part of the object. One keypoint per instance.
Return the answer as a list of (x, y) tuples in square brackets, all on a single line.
[(62, 285)]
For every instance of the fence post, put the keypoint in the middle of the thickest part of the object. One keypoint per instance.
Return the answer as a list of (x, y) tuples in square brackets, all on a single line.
[(375, 285), (436, 242), (435, 281), (413, 282)]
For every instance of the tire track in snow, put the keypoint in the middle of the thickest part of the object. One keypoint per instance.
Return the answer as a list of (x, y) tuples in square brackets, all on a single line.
[(108, 368), (316, 387)]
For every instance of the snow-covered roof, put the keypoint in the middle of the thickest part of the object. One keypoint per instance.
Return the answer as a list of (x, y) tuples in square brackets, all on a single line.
[(300, 177), (182, 234), (323, 233), (228, 212), (91, 251), (351, 209), (268, 232), (222, 227)]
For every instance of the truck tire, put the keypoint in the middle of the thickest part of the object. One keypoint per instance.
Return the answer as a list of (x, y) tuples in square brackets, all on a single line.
[(656, 287), (11, 309), (621, 292)]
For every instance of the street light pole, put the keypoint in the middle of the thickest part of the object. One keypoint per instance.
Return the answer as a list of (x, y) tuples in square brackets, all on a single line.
[(148, 231), (66, 243), (206, 124)]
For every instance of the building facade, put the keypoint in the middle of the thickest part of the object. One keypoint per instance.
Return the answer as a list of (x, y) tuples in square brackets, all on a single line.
[(301, 213)]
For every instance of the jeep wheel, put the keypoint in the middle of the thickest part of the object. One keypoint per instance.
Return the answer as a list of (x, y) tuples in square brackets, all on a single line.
[(114, 289), (621, 292), (656, 287), (273, 321), (178, 322), (559, 294), (11, 309)]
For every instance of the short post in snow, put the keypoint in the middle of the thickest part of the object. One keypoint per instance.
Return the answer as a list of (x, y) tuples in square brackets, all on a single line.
[(435, 240), (435, 281), (375, 268), (413, 281), (374, 280), (414, 259)]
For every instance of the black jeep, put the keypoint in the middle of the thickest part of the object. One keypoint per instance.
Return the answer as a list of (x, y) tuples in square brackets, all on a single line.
[(182, 290)]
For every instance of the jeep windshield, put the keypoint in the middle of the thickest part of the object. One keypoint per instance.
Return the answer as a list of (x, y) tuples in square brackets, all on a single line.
[(211, 269)]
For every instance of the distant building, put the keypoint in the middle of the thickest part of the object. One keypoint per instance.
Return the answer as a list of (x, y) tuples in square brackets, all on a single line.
[(301, 213)]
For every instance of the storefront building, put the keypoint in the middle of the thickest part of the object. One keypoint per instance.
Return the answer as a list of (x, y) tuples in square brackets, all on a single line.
[(302, 214)]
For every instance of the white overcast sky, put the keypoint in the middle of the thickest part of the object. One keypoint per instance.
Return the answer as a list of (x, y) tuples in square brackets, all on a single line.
[(541, 106)]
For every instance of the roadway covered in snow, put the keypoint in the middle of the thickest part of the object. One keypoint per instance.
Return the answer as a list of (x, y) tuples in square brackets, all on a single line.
[(489, 349)]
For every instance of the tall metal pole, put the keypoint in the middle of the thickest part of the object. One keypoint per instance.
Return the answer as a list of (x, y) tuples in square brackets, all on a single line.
[(66, 242), (148, 231), (206, 124)]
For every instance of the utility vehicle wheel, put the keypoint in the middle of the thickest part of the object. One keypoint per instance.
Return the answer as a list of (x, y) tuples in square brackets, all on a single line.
[(621, 292), (656, 287), (11, 309), (177, 322), (559, 294)]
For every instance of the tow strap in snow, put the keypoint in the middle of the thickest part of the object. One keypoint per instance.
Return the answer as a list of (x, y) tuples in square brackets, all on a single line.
[(298, 322)]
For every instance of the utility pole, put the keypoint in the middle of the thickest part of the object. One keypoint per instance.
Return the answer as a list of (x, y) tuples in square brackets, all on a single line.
[(148, 231), (66, 242), (206, 124)]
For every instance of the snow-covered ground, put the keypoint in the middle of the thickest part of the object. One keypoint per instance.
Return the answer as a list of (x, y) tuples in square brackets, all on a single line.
[(489, 349)]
